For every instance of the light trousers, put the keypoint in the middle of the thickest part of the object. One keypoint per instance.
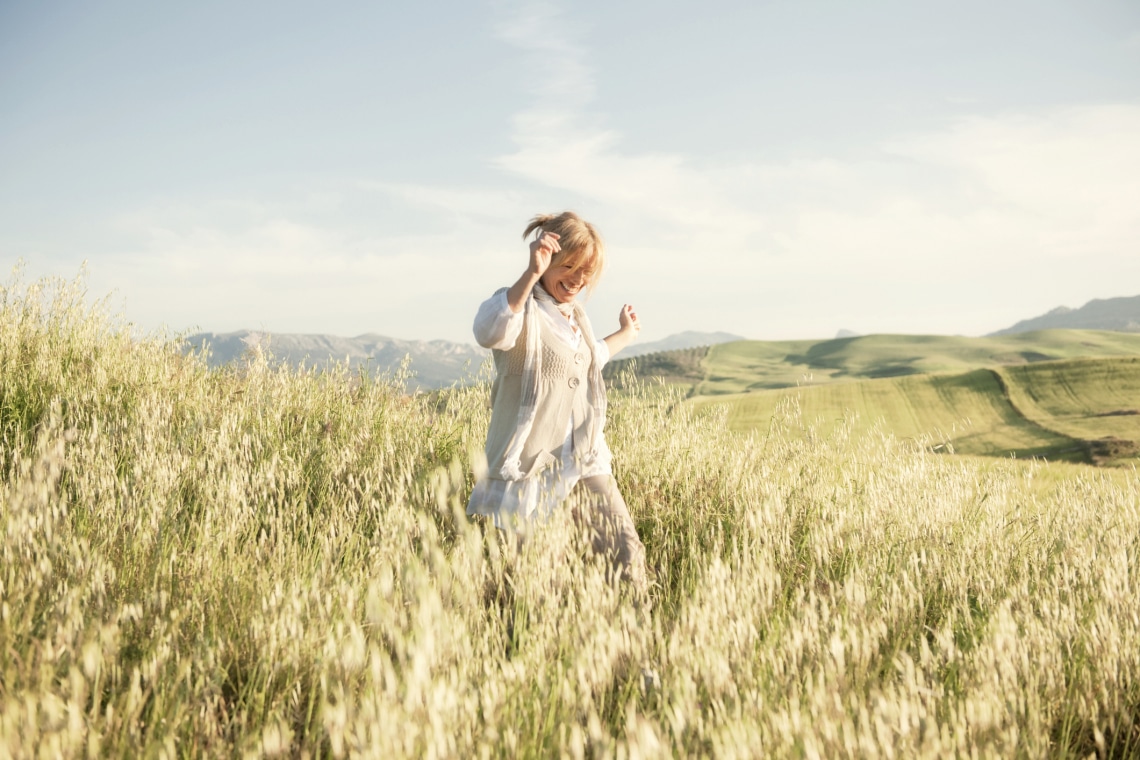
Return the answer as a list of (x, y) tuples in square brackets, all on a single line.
[(599, 507)]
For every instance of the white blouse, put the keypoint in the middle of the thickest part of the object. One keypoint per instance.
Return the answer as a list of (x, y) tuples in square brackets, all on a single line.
[(497, 327)]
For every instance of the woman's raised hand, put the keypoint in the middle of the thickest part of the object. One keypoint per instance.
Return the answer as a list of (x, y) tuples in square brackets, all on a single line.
[(542, 250)]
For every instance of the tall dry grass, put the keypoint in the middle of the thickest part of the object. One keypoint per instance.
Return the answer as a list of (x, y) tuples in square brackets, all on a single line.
[(260, 561)]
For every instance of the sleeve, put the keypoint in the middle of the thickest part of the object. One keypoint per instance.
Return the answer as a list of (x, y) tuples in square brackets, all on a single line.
[(601, 353), (496, 326)]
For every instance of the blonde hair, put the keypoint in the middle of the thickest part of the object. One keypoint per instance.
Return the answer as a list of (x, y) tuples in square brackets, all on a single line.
[(581, 243)]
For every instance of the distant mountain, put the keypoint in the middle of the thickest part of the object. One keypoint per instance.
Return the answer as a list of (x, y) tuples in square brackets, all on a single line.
[(435, 363), (687, 339), (1120, 314)]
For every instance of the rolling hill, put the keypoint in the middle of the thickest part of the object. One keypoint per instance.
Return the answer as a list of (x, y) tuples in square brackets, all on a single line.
[(1080, 410), (1070, 395), (757, 365)]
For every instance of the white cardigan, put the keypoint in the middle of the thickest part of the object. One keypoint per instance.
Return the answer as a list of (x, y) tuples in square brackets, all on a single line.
[(497, 327)]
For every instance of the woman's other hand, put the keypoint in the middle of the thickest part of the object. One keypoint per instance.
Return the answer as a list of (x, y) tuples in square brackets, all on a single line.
[(628, 320), (630, 327)]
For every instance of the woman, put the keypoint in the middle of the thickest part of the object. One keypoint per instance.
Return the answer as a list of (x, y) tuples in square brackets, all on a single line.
[(549, 400)]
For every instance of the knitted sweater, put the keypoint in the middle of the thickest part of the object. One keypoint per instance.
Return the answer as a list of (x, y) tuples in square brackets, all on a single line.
[(562, 396), (549, 471)]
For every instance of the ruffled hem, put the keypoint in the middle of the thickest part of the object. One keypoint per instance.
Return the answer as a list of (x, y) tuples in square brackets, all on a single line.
[(514, 504)]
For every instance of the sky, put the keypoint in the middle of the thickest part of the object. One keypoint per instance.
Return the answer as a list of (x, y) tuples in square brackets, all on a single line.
[(778, 170)]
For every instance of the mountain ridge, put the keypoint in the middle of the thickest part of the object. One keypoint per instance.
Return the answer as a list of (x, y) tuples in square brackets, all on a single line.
[(679, 341), (439, 363), (1119, 314), (433, 363)]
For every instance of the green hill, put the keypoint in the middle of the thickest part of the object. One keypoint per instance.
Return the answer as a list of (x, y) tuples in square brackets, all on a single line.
[(1059, 394), (754, 365), (1096, 400), (1076, 410)]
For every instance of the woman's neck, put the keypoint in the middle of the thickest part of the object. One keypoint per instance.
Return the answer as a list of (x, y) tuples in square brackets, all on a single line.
[(565, 309)]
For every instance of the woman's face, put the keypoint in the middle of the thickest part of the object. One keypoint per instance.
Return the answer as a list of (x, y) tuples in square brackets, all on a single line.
[(563, 284)]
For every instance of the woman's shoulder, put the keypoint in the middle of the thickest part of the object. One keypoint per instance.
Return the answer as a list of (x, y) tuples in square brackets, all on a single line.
[(496, 326), (498, 298)]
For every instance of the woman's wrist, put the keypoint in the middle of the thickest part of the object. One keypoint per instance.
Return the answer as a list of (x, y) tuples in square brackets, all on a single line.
[(520, 291)]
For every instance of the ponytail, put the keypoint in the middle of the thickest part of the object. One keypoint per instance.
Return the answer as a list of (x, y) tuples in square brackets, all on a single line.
[(538, 223)]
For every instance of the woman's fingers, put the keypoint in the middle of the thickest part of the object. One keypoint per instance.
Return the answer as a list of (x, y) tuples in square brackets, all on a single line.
[(549, 240), (628, 317)]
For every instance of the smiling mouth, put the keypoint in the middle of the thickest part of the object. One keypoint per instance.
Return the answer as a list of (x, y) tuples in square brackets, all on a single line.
[(567, 290)]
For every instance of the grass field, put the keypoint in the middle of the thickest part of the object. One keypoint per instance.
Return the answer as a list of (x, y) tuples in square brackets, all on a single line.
[(1086, 398), (266, 562), (968, 411)]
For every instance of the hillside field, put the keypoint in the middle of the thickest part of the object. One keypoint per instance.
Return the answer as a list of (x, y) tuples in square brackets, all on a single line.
[(757, 365), (1055, 410), (262, 561), (1064, 395)]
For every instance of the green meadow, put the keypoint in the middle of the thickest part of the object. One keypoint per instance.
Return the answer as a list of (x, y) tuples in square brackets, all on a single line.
[(1060, 395), (755, 365)]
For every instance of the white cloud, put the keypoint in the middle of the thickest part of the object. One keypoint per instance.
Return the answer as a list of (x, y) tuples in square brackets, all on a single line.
[(980, 206), (1073, 174), (542, 29), (230, 265), (486, 204), (563, 145)]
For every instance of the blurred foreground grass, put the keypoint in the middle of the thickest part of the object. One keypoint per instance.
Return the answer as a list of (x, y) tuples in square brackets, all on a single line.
[(260, 561)]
